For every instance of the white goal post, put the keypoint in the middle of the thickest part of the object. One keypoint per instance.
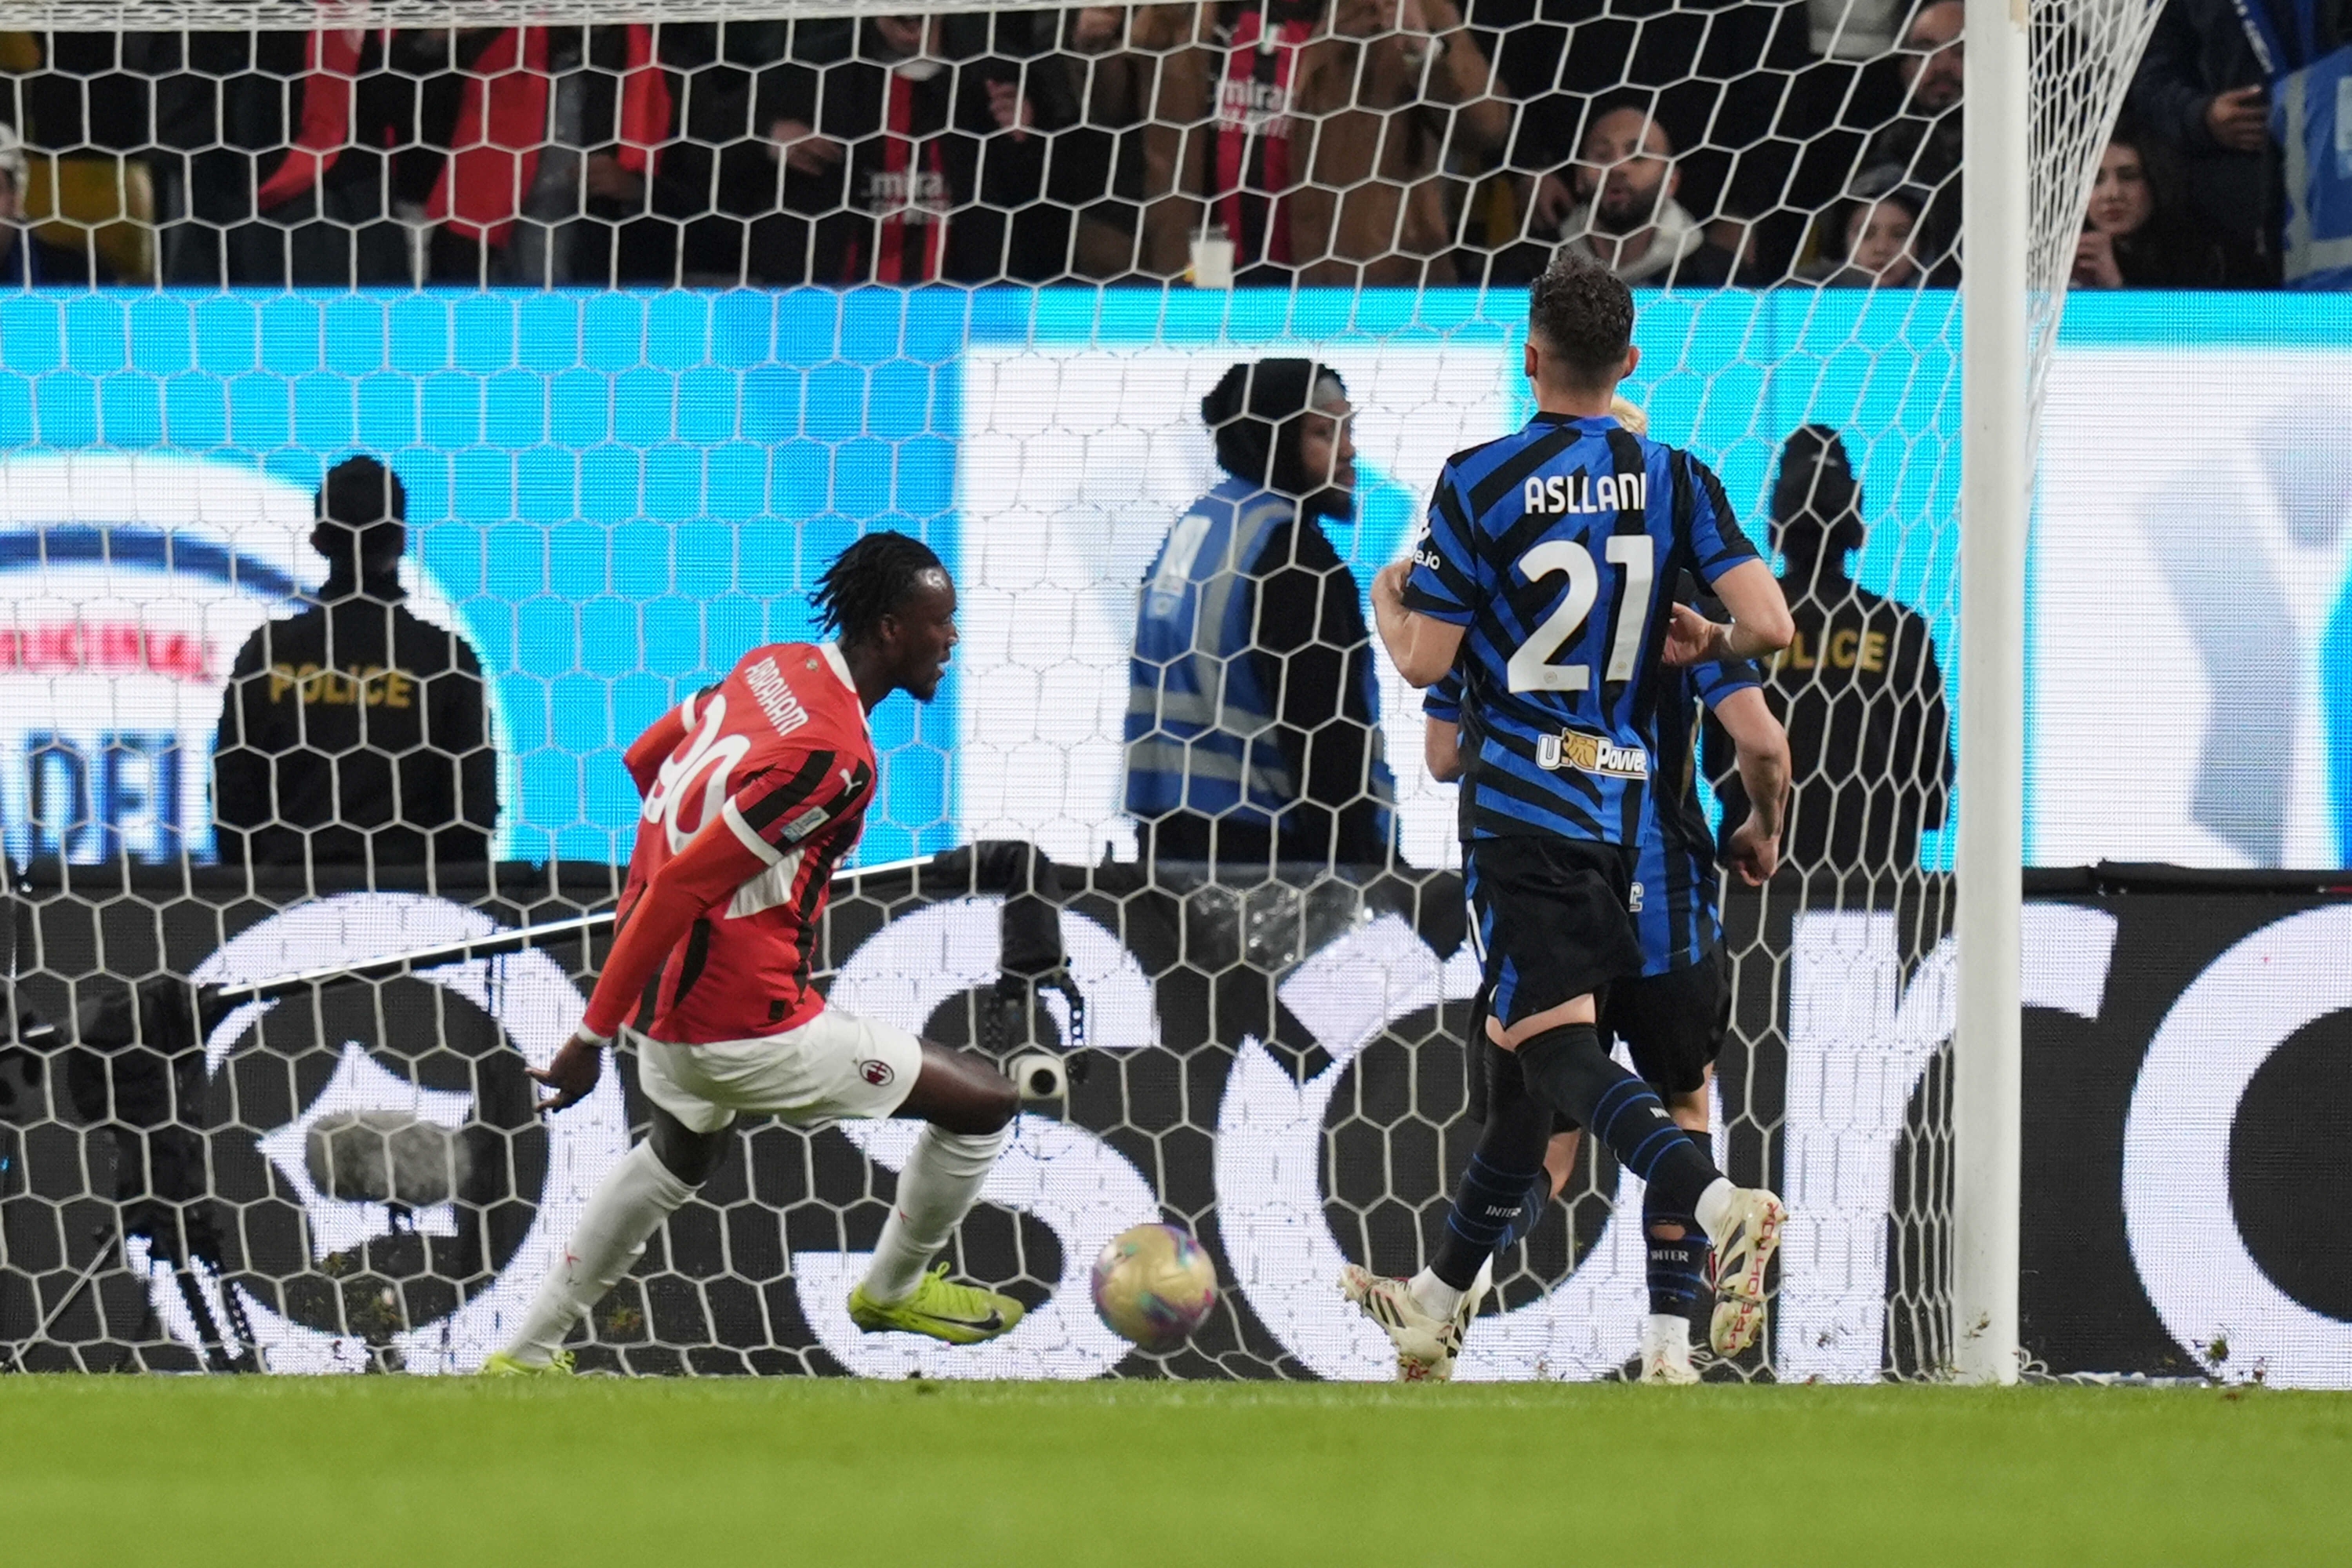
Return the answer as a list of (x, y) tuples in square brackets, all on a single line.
[(2031, 142), (1996, 501)]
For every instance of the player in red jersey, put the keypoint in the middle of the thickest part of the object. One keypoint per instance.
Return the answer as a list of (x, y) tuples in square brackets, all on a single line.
[(755, 792)]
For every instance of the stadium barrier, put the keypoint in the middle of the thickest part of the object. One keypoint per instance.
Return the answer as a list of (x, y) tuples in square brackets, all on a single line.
[(1276, 1067)]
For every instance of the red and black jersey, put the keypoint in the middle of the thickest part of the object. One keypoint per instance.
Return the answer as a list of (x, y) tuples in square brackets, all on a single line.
[(755, 792), (1253, 173), (903, 182)]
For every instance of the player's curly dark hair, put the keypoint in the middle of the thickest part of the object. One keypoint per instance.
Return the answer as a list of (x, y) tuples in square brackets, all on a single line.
[(868, 581), (1583, 314)]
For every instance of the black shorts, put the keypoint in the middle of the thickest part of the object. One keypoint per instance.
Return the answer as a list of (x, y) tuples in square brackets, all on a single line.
[(1674, 1023), (1673, 1026), (1552, 921)]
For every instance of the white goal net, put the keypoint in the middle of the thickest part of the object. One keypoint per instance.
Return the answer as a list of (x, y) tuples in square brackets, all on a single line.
[(650, 310)]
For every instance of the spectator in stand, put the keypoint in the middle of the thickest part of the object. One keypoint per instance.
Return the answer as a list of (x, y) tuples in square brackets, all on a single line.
[(2135, 235), (1318, 131), (1719, 75), (548, 154), (354, 738), (298, 151), (2202, 91), (1626, 217), (713, 177), (1922, 143), (1867, 239), (1465, 120), (909, 153), (27, 260), (1115, 156), (1849, 84)]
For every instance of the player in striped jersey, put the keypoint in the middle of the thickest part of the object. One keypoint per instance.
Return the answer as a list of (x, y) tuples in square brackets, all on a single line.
[(1673, 1017), (1546, 570), (754, 793)]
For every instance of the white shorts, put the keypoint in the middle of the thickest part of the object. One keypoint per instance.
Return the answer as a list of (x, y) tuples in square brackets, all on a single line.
[(831, 1068)]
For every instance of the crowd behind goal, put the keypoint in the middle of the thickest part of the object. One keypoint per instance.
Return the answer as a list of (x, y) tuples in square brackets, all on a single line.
[(1683, 143)]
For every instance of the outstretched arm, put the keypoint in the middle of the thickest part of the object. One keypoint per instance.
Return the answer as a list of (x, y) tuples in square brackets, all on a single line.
[(705, 871)]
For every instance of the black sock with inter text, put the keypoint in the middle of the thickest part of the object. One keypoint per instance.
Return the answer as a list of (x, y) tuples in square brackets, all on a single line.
[(1493, 1190), (1677, 1264), (1533, 1206), (1568, 1070)]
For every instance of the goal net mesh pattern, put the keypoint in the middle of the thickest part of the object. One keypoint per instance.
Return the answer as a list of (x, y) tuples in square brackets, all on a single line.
[(651, 312)]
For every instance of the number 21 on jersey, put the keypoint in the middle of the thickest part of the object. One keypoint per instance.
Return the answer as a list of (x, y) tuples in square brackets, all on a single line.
[(1636, 555)]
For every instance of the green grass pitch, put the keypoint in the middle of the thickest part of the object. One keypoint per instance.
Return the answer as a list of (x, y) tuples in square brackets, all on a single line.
[(338, 1472)]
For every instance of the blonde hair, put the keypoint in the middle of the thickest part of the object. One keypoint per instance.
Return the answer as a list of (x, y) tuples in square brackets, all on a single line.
[(1629, 414)]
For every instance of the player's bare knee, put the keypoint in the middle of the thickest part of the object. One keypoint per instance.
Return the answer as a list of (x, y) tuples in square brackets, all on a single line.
[(995, 1107), (689, 1155), (1576, 1010), (979, 1114), (958, 1092)]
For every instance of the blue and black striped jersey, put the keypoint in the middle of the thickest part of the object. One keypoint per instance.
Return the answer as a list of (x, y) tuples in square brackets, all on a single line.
[(1675, 876), (1556, 549)]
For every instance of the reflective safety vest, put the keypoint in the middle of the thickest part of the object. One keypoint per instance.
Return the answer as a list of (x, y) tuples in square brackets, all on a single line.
[(2311, 118), (1202, 726), (2311, 121)]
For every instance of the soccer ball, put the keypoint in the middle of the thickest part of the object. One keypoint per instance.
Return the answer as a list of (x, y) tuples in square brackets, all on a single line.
[(1153, 1284)]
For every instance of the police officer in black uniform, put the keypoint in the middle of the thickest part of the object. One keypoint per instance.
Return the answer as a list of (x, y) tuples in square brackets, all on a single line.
[(1859, 689), (354, 739)]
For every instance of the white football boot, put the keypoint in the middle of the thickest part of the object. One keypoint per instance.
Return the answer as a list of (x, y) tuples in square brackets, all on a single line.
[(1427, 1345), (1666, 1351), (1751, 1233)]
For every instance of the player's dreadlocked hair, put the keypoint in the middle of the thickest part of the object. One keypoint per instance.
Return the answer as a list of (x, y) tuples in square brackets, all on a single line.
[(868, 581)]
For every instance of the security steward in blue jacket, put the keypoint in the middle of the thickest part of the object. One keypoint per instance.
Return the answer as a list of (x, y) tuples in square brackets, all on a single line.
[(1253, 733)]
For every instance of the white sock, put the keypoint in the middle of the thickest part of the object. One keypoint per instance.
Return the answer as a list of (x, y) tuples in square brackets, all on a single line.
[(621, 1214), (941, 1181), (1667, 1331), (1433, 1295), (1714, 1208)]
